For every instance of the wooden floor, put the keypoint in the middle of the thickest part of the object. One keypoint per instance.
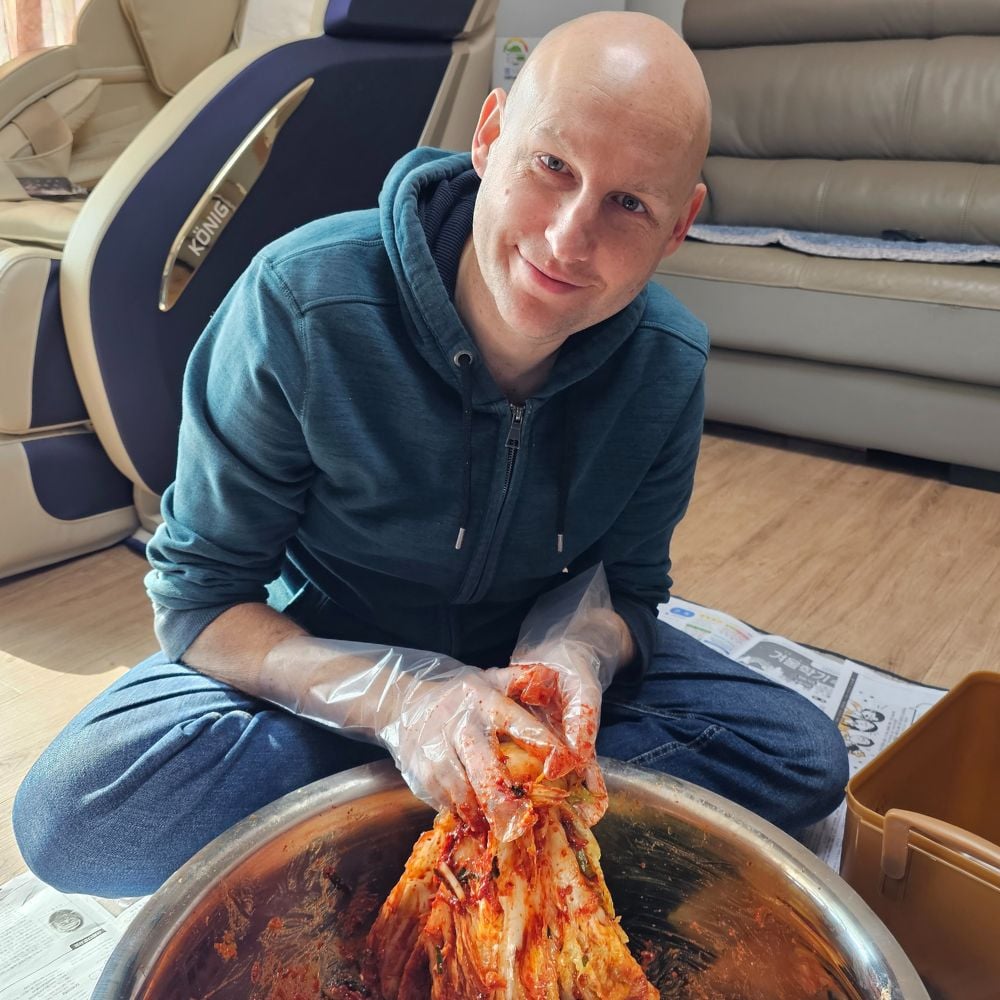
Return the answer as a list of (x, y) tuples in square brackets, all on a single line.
[(894, 568)]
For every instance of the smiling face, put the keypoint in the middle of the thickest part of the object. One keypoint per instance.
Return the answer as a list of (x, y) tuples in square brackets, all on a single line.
[(588, 180)]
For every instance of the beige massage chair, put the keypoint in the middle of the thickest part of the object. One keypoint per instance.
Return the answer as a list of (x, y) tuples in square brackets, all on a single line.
[(200, 130)]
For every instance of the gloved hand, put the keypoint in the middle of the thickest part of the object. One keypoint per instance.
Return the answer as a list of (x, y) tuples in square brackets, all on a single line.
[(438, 718), (570, 646)]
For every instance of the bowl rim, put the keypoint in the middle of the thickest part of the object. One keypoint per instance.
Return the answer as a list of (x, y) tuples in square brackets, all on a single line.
[(136, 955)]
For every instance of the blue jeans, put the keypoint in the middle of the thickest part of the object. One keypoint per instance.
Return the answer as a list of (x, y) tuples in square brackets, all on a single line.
[(166, 759)]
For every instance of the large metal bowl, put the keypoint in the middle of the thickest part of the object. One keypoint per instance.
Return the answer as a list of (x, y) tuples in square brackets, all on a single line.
[(718, 903)]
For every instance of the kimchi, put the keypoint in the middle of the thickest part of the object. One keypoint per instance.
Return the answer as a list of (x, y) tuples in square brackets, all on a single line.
[(473, 918)]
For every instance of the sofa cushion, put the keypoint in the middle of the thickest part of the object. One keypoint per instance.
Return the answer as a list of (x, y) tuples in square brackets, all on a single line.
[(856, 137), (934, 418), (952, 202), (721, 23), (934, 320), (899, 99)]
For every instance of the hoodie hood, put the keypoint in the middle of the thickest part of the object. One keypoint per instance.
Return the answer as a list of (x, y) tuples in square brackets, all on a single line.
[(438, 331)]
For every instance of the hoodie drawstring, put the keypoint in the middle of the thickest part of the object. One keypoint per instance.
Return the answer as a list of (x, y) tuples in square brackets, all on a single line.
[(463, 360)]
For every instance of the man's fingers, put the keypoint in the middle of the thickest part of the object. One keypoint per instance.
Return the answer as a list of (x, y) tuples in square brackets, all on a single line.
[(537, 684), (428, 764), (580, 726), (464, 765), (448, 787), (567, 699), (506, 805), (580, 718), (568, 703), (526, 728)]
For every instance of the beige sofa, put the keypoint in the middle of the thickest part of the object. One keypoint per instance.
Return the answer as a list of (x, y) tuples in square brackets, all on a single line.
[(855, 117)]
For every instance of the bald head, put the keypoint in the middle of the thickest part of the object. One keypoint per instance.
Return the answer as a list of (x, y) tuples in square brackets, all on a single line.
[(633, 62), (588, 179)]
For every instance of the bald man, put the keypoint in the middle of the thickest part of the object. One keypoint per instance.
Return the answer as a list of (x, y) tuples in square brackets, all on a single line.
[(430, 463)]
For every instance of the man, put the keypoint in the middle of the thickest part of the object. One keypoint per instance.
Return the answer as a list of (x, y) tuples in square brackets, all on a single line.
[(414, 426)]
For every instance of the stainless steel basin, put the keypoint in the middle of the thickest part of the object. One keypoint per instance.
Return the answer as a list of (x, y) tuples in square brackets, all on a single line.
[(717, 903)]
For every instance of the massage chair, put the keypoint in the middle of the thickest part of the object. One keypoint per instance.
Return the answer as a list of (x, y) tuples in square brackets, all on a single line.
[(200, 132)]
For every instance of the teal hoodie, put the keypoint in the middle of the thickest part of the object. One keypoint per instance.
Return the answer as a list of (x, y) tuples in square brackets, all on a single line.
[(340, 428)]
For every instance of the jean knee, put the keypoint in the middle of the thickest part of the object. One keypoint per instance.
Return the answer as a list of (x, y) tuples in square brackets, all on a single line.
[(81, 814), (47, 836), (819, 774)]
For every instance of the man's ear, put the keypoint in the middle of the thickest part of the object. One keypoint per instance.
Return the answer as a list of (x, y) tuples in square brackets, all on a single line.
[(686, 218), (488, 128)]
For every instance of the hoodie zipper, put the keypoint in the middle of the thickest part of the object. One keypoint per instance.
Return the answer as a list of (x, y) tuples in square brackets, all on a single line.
[(513, 445), (518, 416)]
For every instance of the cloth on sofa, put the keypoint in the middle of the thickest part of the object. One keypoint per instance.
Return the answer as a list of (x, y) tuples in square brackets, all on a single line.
[(851, 247)]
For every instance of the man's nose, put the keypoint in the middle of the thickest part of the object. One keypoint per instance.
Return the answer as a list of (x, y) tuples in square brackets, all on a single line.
[(571, 230)]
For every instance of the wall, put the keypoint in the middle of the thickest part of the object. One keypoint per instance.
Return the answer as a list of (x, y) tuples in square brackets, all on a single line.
[(520, 23), (670, 11)]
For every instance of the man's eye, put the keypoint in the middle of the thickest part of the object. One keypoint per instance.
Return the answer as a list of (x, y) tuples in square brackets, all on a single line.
[(553, 163), (631, 204)]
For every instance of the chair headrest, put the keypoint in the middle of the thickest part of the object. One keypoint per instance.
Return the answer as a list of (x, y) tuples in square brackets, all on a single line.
[(179, 39), (432, 19), (263, 22)]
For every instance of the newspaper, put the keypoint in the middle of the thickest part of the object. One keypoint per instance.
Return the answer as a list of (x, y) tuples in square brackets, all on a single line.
[(53, 946), (871, 707)]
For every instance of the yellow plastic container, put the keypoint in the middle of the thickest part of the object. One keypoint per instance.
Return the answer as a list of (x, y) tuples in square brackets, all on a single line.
[(922, 841)]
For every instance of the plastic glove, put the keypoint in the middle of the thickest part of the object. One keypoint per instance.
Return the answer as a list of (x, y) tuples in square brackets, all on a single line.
[(438, 718), (568, 651)]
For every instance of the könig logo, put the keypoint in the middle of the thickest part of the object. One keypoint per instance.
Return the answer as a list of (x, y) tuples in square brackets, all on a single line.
[(201, 236)]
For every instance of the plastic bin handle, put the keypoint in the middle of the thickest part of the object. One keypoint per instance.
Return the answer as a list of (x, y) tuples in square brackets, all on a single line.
[(896, 836)]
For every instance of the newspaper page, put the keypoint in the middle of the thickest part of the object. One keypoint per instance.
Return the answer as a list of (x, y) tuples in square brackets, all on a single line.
[(871, 708), (53, 946)]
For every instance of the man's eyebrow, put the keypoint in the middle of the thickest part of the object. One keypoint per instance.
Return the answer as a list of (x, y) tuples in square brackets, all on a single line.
[(551, 132), (554, 133), (642, 188)]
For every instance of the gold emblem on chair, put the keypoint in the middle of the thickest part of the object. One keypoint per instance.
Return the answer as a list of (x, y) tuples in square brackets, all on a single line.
[(223, 198)]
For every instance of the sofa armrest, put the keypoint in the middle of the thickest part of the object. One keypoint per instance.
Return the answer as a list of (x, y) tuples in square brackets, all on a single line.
[(33, 75)]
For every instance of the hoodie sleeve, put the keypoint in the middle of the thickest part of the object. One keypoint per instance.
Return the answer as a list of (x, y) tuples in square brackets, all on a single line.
[(243, 468), (641, 580)]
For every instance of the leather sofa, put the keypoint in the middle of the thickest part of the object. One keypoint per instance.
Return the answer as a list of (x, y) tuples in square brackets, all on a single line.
[(221, 139), (855, 117)]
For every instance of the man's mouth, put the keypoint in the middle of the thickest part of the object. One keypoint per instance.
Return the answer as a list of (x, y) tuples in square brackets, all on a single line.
[(550, 280)]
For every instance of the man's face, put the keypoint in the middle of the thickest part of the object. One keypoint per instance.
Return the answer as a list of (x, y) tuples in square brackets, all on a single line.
[(577, 207)]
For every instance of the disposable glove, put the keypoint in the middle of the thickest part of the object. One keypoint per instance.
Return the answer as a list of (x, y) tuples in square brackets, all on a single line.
[(567, 653), (438, 718)]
